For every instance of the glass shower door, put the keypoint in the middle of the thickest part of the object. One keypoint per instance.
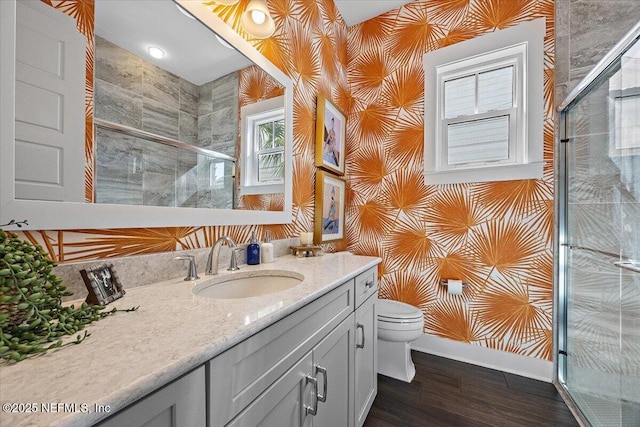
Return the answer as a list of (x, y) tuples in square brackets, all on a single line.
[(601, 247)]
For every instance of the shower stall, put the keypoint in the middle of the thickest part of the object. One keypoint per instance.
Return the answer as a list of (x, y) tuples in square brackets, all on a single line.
[(598, 241)]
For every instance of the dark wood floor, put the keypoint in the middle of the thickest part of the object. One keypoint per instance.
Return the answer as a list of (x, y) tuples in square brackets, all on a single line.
[(445, 392)]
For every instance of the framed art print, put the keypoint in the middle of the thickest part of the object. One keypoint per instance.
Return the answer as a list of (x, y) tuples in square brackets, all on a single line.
[(330, 208), (330, 136)]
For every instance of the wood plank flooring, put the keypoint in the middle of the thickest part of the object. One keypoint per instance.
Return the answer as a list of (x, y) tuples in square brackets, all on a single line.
[(445, 392)]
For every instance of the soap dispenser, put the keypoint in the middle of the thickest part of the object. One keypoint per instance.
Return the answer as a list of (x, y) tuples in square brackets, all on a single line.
[(253, 250), (266, 248)]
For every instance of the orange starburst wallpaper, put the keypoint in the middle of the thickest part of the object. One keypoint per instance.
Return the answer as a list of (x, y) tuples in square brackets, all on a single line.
[(495, 236)]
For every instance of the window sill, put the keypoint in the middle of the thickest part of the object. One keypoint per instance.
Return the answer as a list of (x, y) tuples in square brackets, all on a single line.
[(485, 174), (262, 189)]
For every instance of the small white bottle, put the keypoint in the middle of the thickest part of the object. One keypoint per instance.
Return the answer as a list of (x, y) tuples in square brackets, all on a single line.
[(266, 248)]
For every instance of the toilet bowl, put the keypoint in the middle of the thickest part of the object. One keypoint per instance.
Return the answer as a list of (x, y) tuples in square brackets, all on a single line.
[(398, 325)]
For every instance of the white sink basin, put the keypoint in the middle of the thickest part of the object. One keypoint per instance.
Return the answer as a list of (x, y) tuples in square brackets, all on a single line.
[(248, 284)]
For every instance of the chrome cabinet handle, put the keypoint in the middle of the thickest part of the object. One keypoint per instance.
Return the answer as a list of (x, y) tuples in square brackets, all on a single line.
[(323, 371), (369, 284), (313, 409), (360, 326)]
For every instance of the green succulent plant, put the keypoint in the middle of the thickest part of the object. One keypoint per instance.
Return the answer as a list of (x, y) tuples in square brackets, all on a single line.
[(32, 317)]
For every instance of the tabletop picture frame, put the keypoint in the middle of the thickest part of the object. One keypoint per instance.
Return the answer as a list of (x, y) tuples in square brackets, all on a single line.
[(330, 208), (103, 284), (330, 136)]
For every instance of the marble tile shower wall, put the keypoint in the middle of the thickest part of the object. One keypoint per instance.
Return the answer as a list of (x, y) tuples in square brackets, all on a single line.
[(136, 93), (585, 31), (218, 114), (133, 92)]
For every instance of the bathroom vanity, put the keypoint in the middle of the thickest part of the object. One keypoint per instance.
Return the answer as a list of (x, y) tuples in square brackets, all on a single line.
[(302, 356)]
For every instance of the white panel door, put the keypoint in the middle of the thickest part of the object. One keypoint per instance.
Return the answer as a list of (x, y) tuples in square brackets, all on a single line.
[(49, 105)]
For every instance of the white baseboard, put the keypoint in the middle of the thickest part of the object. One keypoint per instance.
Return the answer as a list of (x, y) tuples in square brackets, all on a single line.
[(525, 366)]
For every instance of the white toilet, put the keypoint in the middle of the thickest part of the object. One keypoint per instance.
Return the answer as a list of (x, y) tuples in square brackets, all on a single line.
[(398, 325)]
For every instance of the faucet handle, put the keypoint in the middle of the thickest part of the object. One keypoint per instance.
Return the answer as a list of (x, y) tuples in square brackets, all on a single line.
[(233, 263), (192, 274)]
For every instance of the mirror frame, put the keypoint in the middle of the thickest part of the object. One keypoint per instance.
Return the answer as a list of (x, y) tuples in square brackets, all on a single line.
[(56, 215)]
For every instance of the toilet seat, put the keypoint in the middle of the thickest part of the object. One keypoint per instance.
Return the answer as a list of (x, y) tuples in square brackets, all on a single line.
[(398, 312)]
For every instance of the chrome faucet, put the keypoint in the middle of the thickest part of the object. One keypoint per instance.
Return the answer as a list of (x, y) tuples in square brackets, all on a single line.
[(214, 254), (193, 270)]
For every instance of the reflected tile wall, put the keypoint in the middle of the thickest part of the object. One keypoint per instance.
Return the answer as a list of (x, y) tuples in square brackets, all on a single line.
[(114, 104), (119, 168), (136, 93), (159, 176), (218, 115), (187, 180)]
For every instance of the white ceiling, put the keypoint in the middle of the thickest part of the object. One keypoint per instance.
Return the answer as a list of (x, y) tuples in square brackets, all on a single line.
[(356, 11), (134, 26), (192, 51)]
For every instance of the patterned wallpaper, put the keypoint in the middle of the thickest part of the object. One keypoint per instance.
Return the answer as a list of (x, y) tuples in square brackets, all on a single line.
[(495, 236)]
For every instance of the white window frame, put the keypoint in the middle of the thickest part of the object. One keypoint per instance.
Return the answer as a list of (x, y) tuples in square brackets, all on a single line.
[(521, 46), (252, 116)]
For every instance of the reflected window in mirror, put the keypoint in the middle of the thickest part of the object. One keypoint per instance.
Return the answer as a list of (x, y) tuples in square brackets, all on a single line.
[(263, 145)]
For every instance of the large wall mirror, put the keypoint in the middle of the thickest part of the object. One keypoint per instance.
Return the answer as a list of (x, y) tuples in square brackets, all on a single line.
[(201, 136)]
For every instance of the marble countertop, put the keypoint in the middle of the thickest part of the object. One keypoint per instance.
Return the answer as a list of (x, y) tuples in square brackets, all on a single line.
[(129, 355)]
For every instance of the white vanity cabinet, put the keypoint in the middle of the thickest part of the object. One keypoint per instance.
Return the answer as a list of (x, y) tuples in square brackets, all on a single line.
[(316, 367), (246, 371), (316, 391), (179, 403)]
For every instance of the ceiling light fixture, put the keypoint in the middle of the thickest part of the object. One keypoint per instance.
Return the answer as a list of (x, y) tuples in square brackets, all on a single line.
[(257, 21), (156, 52)]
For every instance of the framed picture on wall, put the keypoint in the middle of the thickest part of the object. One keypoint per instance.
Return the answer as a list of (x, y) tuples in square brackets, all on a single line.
[(330, 208), (330, 136)]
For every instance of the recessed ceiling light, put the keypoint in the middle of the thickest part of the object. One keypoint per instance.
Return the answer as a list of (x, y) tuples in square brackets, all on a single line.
[(257, 21), (156, 52)]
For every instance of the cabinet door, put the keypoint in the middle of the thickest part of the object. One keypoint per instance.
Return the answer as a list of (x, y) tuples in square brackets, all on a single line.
[(241, 374), (366, 359), (285, 403), (180, 403), (333, 367)]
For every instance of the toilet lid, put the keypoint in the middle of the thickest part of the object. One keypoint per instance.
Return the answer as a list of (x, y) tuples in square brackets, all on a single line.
[(390, 310)]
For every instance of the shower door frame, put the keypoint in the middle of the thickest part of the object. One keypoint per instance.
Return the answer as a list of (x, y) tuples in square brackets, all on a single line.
[(561, 248)]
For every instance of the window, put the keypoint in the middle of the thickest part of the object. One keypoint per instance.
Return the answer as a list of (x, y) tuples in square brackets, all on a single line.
[(483, 107), (263, 147)]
